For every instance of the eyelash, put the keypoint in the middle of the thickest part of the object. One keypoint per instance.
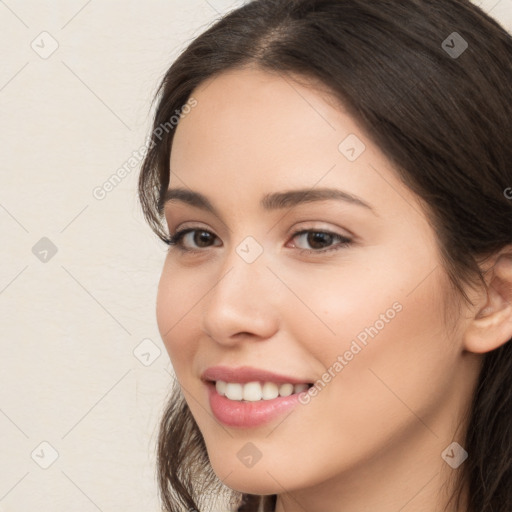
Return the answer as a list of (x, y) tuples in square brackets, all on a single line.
[(176, 240)]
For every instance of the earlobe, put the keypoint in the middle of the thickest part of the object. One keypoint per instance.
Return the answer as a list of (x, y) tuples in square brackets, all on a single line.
[(492, 325)]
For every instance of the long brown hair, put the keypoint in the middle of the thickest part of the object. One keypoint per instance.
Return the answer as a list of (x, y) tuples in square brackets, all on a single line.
[(430, 82)]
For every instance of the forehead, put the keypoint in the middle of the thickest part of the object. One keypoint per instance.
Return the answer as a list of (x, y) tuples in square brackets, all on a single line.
[(239, 103), (248, 118), (253, 132)]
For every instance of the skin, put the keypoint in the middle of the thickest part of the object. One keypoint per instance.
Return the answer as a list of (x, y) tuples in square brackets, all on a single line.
[(372, 438)]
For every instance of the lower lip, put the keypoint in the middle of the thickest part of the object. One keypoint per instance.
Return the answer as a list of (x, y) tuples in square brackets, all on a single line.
[(234, 413)]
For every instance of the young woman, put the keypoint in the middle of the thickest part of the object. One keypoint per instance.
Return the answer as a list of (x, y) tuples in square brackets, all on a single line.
[(336, 301)]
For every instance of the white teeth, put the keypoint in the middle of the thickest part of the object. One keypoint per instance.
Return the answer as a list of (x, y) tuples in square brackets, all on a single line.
[(220, 385), (234, 391), (270, 391), (285, 389), (299, 388), (254, 391)]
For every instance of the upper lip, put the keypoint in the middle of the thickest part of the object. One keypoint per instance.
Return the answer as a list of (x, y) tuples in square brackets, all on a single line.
[(243, 374)]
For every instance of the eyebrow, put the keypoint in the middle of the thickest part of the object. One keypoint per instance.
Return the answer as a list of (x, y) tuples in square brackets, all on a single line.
[(274, 201)]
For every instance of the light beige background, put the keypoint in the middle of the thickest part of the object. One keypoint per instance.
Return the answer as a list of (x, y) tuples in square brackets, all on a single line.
[(73, 372)]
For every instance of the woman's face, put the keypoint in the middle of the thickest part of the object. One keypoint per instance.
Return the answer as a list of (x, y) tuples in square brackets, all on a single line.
[(354, 303)]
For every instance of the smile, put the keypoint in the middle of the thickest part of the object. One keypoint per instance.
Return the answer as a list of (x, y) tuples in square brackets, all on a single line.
[(248, 397), (256, 391)]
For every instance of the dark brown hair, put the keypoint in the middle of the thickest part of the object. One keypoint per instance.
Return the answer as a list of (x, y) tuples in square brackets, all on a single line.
[(444, 120)]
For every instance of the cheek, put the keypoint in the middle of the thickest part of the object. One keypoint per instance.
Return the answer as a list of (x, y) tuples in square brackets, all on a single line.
[(331, 307), (377, 337), (176, 314), (370, 295)]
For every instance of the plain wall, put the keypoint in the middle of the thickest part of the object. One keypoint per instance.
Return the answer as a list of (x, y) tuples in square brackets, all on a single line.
[(71, 321)]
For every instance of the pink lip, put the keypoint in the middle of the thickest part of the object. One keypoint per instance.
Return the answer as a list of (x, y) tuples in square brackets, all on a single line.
[(244, 374), (247, 414)]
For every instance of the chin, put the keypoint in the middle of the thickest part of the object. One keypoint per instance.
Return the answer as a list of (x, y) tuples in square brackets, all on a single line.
[(247, 480), (252, 486)]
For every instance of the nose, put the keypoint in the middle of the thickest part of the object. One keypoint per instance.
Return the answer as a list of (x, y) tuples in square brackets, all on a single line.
[(242, 303)]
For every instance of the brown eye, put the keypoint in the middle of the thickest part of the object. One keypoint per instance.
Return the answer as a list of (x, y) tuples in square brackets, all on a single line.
[(192, 239), (320, 241), (202, 238)]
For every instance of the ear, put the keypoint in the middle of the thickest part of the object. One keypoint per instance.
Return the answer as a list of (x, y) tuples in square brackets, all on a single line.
[(491, 327)]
